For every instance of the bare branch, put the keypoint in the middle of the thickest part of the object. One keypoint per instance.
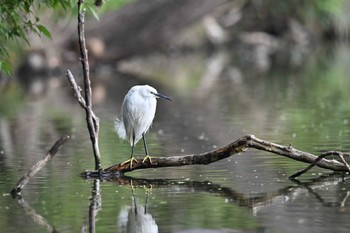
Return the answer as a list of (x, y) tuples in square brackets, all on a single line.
[(92, 121), (341, 155), (38, 166), (76, 89), (318, 159)]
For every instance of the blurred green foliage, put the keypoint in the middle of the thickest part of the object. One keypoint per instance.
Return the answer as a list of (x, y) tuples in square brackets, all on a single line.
[(17, 18), (20, 18)]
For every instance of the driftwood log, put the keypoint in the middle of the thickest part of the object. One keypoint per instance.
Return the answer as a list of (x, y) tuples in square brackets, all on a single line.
[(240, 145)]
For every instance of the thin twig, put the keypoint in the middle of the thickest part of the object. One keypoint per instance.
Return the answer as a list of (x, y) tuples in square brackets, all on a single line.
[(341, 155), (240, 145), (318, 159), (77, 93), (38, 166), (76, 89)]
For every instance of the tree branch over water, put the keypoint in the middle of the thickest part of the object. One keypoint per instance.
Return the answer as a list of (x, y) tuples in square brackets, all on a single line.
[(238, 146)]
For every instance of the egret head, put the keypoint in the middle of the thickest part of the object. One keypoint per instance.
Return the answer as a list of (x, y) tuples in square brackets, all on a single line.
[(148, 91)]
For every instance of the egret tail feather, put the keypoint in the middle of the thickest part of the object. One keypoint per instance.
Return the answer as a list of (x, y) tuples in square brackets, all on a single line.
[(120, 128)]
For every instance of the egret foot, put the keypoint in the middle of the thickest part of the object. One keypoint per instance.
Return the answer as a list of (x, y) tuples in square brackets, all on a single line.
[(148, 190), (131, 160), (147, 157)]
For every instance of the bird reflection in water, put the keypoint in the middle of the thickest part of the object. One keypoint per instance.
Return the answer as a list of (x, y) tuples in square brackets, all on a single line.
[(135, 219)]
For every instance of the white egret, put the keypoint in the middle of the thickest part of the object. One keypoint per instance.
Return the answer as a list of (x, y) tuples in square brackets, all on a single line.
[(138, 110)]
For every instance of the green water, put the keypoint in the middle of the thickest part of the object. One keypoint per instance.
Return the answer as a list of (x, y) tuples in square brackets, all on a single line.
[(216, 101)]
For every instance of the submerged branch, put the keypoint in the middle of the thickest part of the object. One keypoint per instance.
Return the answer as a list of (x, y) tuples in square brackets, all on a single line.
[(240, 145), (38, 166)]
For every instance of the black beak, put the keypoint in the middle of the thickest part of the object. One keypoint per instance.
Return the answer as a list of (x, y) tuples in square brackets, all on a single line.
[(162, 96)]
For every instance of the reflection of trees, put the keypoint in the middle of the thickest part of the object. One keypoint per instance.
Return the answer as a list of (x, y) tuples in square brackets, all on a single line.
[(39, 121)]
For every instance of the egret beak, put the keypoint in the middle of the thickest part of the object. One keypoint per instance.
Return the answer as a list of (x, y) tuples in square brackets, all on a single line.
[(161, 96)]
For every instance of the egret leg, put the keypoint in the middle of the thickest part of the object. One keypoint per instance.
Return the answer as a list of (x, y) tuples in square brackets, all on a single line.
[(146, 150), (133, 196), (148, 192), (132, 158)]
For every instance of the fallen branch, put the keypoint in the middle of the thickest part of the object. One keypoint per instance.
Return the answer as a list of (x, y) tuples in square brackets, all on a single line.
[(38, 166), (93, 122), (240, 145)]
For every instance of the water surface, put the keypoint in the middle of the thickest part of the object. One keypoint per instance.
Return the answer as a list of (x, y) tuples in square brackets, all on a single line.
[(216, 101)]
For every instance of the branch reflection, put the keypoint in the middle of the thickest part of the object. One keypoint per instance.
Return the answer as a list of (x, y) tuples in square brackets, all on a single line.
[(317, 187), (37, 218), (94, 208)]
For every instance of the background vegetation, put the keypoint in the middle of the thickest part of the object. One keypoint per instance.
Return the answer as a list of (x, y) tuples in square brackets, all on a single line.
[(20, 19)]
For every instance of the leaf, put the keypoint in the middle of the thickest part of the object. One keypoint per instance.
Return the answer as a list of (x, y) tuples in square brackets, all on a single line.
[(93, 12), (5, 68), (44, 31)]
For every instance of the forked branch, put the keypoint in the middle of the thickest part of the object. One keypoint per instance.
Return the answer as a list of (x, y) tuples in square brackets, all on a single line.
[(92, 120), (240, 145), (319, 158)]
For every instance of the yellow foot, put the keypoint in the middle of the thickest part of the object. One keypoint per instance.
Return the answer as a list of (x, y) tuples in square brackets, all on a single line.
[(147, 157), (148, 190), (131, 160)]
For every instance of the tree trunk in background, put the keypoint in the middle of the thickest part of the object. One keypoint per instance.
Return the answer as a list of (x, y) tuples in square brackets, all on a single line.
[(147, 26)]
